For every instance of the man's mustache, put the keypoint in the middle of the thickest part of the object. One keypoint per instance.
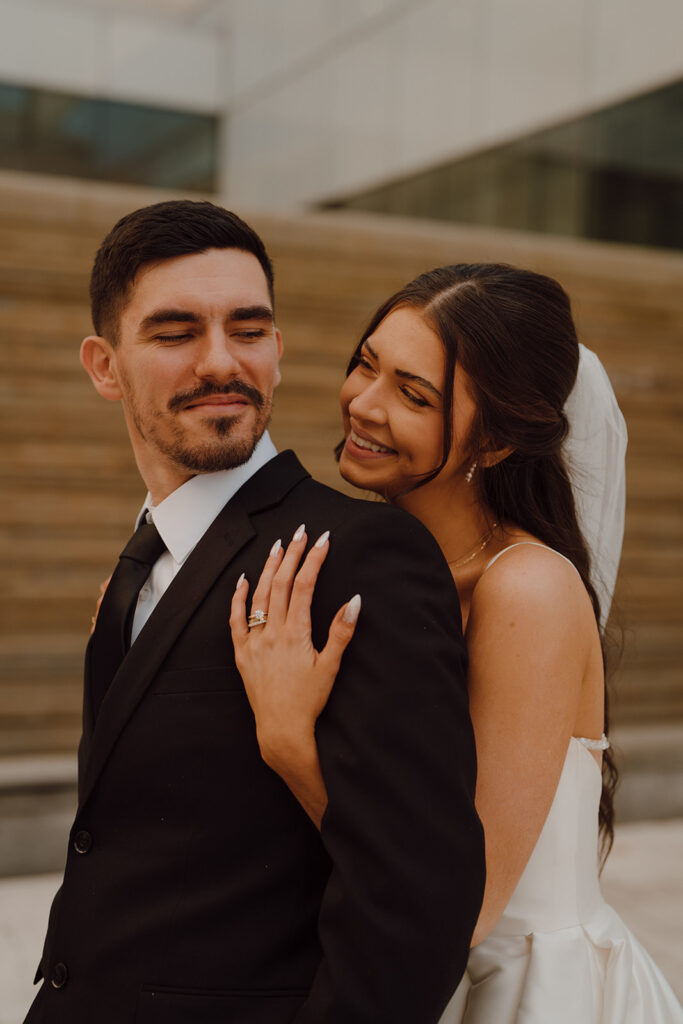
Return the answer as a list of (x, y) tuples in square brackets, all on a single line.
[(235, 387)]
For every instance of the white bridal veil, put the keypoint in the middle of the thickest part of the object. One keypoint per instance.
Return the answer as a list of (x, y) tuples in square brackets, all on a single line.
[(595, 451)]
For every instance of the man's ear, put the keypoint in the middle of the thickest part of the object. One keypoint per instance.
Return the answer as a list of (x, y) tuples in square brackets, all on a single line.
[(278, 342), (98, 360)]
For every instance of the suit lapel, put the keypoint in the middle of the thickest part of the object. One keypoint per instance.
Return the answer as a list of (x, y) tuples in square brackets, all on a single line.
[(226, 536)]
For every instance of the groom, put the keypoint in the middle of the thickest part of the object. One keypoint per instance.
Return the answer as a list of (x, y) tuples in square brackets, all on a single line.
[(196, 890)]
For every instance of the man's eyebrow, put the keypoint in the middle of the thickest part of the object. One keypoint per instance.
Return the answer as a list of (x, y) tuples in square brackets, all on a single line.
[(185, 316), (169, 316), (251, 313), (405, 375)]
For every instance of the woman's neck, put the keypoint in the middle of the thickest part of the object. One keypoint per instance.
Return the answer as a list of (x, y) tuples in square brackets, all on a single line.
[(453, 516), (465, 531)]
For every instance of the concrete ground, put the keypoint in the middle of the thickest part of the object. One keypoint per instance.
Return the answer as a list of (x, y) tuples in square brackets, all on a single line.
[(643, 880)]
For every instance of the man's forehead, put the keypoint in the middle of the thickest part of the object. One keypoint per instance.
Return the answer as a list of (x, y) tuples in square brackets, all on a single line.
[(228, 278)]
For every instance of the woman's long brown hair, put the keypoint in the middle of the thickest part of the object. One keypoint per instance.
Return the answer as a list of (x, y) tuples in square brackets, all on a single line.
[(512, 332)]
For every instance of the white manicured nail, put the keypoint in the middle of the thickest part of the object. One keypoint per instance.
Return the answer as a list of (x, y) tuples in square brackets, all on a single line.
[(275, 548), (300, 532), (322, 539), (239, 582), (352, 609)]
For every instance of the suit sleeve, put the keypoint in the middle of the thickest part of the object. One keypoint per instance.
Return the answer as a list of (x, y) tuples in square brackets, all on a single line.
[(397, 754)]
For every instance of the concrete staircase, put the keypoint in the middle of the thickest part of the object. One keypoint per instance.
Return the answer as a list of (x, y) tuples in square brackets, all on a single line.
[(71, 490)]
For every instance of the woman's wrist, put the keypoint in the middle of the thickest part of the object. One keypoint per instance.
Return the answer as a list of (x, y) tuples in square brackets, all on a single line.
[(288, 749)]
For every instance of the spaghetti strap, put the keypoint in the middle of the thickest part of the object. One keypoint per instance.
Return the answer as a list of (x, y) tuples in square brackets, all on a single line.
[(533, 544)]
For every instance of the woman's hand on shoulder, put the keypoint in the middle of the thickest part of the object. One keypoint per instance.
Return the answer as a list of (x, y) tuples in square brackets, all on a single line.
[(286, 679)]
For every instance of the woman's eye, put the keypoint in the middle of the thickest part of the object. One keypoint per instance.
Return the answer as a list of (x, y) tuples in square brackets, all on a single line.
[(362, 361), (415, 399)]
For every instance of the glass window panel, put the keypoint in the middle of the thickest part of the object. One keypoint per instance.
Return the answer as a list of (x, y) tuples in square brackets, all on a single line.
[(616, 174), (54, 133)]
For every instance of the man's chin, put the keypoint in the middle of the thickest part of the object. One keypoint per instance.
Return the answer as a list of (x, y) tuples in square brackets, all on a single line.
[(212, 456)]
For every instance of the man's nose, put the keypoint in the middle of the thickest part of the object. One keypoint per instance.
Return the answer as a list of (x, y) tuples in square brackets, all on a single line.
[(216, 359)]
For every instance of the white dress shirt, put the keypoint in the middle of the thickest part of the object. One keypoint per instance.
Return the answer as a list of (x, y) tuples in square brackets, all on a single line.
[(183, 518)]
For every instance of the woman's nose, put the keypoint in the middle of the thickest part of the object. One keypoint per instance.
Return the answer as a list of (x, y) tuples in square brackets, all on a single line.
[(368, 404)]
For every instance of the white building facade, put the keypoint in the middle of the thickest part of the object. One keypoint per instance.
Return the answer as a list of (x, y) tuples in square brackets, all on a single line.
[(316, 100)]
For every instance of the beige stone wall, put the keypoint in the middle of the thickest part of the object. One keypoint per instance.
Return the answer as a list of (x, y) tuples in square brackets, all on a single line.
[(70, 488)]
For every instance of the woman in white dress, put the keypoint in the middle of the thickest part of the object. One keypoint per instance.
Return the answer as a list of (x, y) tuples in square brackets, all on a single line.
[(454, 410)]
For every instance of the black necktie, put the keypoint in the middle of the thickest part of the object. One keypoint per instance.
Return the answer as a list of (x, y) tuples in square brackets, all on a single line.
[(111, 638)]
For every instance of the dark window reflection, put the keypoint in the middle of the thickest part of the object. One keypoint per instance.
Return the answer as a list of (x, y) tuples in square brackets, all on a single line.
[(616, 175), (53, 133)]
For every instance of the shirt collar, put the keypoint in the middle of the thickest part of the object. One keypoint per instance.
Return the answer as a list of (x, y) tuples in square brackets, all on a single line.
[(185, 515)]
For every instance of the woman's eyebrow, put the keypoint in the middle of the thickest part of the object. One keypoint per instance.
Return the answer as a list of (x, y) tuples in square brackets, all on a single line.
[(405, 375), (418, 380)]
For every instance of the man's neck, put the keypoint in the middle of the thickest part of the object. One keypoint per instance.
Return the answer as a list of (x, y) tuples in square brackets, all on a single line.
[(160, 490), (162, 480)]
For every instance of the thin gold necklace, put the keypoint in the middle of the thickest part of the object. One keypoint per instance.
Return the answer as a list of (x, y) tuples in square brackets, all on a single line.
[(481, 544)]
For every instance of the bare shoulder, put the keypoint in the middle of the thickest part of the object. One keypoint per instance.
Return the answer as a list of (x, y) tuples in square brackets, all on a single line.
[(531, 588), (532, 639)]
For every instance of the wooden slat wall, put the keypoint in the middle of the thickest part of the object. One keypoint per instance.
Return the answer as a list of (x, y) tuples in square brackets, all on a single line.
[(71, 490)]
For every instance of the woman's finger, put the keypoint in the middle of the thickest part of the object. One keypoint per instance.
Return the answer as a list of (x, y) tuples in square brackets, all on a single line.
[(261, 596), (342, 629), (299, 615), (103, 589), (283, 579), (238, 613)]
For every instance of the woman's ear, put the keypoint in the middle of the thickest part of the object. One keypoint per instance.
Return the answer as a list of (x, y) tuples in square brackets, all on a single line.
[(98, 359), (492, 458)]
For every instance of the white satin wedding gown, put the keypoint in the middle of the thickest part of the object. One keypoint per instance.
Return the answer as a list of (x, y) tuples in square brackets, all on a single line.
[(560, 954)]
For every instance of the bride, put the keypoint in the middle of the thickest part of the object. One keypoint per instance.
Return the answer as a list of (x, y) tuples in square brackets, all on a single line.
[(455, 409)]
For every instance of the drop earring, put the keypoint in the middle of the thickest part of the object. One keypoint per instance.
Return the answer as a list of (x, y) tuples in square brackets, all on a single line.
[(470, 472)]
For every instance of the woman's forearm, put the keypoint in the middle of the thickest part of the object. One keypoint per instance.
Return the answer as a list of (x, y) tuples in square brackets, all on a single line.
[(295, 759)]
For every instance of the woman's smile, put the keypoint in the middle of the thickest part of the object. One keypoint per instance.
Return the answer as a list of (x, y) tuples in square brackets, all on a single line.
[(361, 445), (392, 407)]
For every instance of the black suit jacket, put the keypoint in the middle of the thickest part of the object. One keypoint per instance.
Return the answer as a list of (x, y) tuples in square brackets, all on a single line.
[(196, 889)]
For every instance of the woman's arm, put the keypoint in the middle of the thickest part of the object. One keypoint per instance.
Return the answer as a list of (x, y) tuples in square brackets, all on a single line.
[(529, 637), (287, 681)]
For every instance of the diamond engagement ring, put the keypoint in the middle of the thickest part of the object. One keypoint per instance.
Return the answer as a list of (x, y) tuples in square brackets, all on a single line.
[(257, 618)]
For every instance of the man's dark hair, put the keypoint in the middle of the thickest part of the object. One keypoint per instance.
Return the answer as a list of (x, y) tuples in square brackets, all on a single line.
[(159, 232)]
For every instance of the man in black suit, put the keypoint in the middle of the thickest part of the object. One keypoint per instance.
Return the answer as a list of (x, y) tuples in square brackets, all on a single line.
[(196, 889)]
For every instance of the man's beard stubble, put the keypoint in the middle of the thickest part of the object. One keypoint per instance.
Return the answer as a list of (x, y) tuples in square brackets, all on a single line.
[(207, 457)]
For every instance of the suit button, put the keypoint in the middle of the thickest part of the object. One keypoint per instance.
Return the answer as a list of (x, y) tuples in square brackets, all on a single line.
[(60, 976), (82, 842)]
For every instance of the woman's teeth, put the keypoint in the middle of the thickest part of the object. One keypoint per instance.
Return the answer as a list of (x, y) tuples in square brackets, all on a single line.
[(362, 443)]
